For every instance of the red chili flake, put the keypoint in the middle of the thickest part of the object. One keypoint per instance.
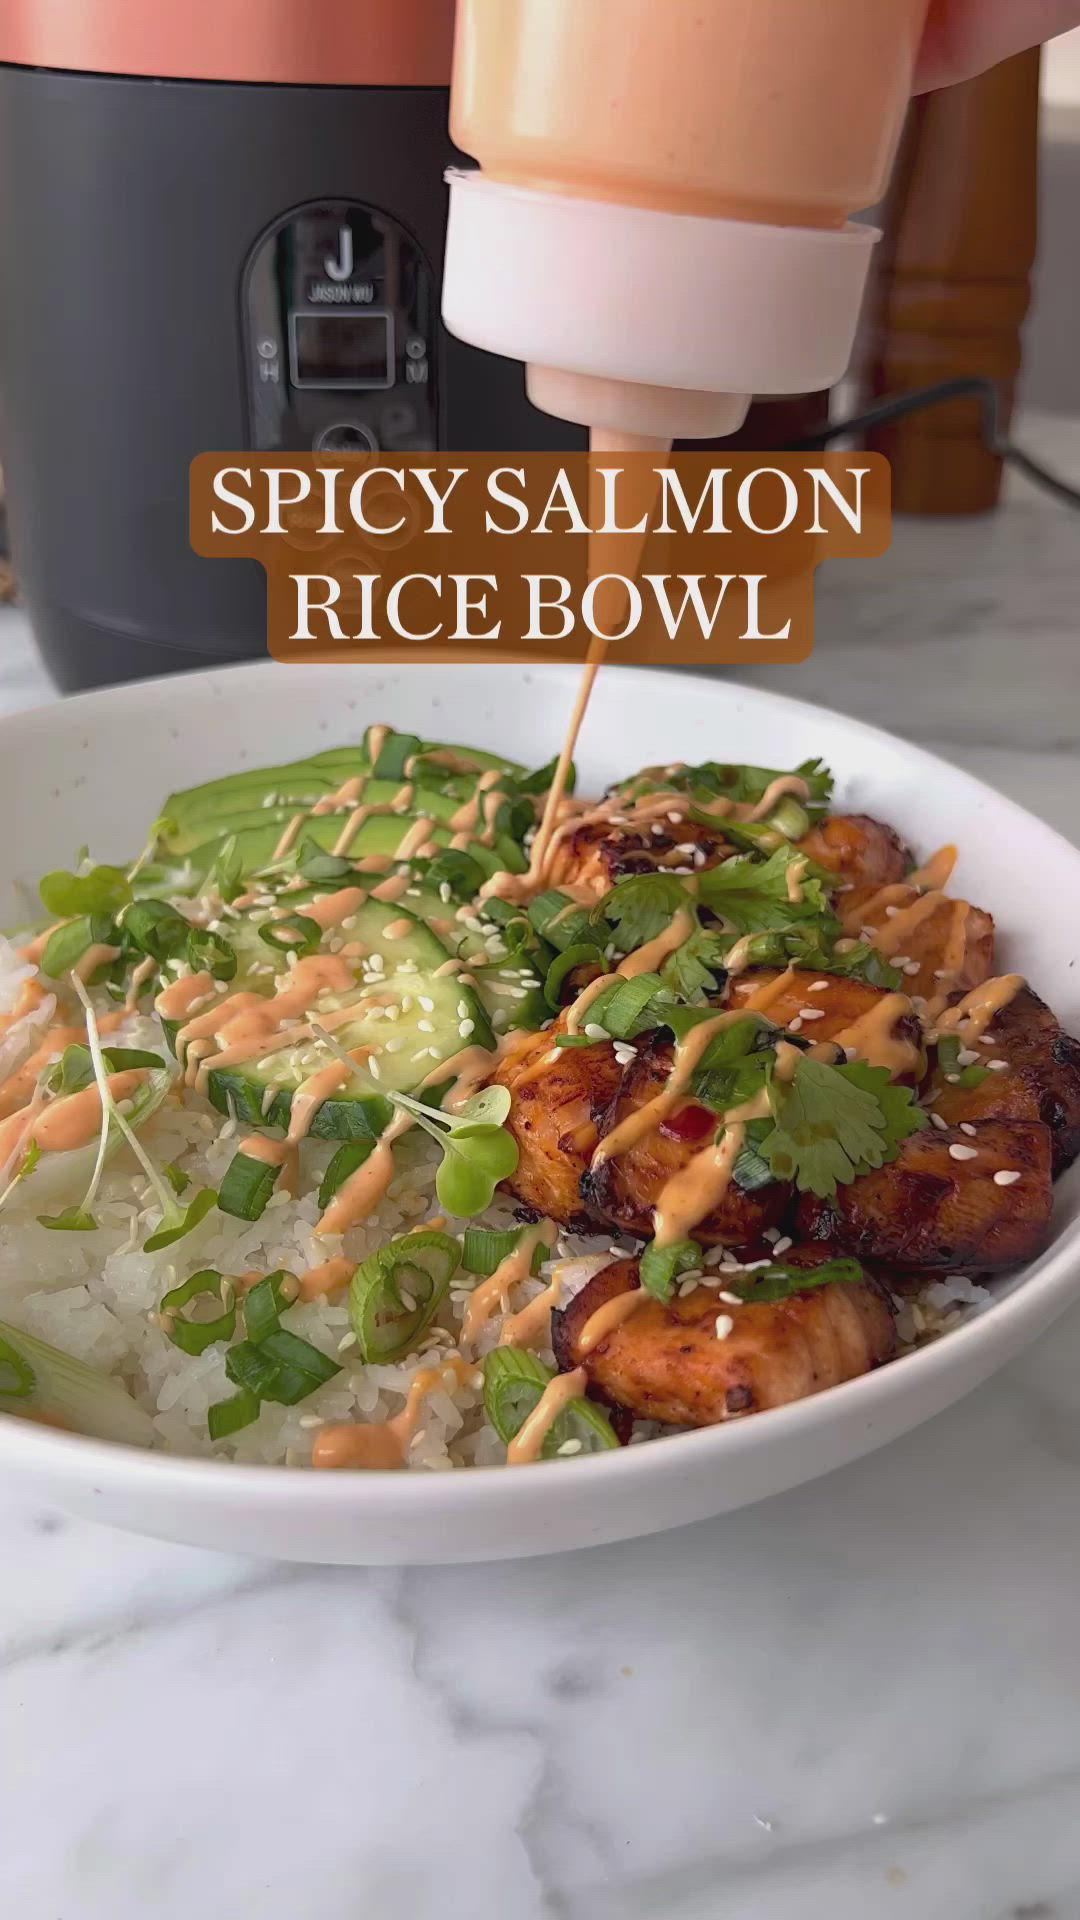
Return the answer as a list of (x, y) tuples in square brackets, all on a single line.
[(692, 1123)]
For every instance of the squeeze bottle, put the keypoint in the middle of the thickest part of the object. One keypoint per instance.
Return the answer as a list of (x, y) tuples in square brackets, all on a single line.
[(660, 222)]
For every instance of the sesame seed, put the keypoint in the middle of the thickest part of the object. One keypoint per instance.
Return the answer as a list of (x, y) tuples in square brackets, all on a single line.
[(724, 1325), (445, 894), (937, 1121), (594, 1032), (998, 1066), (1007, 1178), (463, 1009), (811, 1013), (901, 960), (913, 967), (892, 912), (568, 1447), (795, 1026), (966, 1058), (309, 1421), (956, 1152), (427, 1003), (819, 986), (374, 1068), (425, 1026), (783, 1245), (966, 1127), (675, 818), (730, 1299), (465, 1027)]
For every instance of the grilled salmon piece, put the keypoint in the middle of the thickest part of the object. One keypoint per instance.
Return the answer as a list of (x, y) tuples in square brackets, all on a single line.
[(931, 1208), (594, 857), (860, 851), (558, 1098), (666, 1362), (838, 1006), (952, 943), (1041, 1080), (624, 1191)]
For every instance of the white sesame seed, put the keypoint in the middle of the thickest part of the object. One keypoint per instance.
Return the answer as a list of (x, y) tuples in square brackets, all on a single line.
[(374, 1068), (445, 894), (892, 912), (1007, 1178), (998, 1066), (957, 1152), (425, 1026), (595, 1032), (966, 1127), (463, 1009), (795, 1026), (309, 1421), (913, 967), (819, 986), (811, 1013), (569, 1447), (901, 960), (783, 1245), (724, 1325), (427, 1003), (937, 1121), (966, 1058), (466, 1027), (730, 1299)]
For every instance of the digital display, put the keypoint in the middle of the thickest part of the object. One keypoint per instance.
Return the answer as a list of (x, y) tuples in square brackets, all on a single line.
[(342, 350)]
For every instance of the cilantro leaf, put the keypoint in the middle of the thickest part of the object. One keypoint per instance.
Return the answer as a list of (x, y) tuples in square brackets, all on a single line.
[(639, 908), (752, 895), (697, 967), (835, 1123)]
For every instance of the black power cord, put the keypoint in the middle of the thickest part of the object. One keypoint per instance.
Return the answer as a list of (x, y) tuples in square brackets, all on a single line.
[(897, 406)]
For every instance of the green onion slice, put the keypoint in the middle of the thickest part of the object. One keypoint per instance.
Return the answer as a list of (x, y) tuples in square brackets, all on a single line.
[(395, 1295), (662, 1266), (948, 1052), (514, 1384), (230, 1416), (484, 1249), (194, 1336), (564, 965), (279, 1367), (247, 1186), (266, 1303), (783, 1282), (348, 1160), (17, 1378)]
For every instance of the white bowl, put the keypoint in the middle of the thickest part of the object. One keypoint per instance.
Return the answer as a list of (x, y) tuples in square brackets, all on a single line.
[(95, 770)]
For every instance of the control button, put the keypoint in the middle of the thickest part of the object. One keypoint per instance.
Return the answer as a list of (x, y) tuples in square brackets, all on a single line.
[(347, 437), (416, 348), (266, 348)]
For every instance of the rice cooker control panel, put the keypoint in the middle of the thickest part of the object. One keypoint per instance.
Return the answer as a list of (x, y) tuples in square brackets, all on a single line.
[(339, 318)]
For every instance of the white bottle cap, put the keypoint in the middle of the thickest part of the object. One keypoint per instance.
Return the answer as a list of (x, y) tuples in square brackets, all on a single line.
[(645, 321)]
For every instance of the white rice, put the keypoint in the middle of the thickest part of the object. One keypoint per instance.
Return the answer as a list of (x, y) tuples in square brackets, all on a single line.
[(96, 1296)]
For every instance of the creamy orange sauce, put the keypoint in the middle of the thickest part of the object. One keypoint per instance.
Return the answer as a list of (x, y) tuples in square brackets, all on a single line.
[(70, 1122), (889, 938), (362, 1191), (97, 955), (975, 1013), (934, 877), (788, 785), (767, 996), (326, 1281), (19, 1085), (532, 1326), (309, 1097), (691, 1195), (528, 1445), (688, 1056), (143, 972), (335, 908), (608, 1318), (364, 1446), (875, 1038), (180, 997), (647, 959), (493, 1294), (796, 875)]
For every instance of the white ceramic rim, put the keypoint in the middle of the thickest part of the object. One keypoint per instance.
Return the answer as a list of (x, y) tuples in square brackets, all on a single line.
[(447, 1496)]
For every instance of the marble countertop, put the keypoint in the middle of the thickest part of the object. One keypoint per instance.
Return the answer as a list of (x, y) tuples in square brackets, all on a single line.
[(858, 1700)]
